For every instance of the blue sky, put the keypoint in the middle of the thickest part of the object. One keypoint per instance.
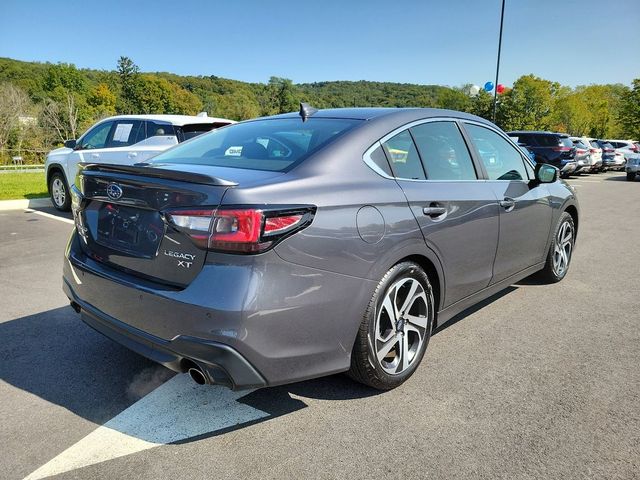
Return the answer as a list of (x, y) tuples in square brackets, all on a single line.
[(447, 42)]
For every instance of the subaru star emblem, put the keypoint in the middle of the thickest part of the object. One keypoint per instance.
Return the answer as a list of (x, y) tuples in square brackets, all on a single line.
[(114, 191)]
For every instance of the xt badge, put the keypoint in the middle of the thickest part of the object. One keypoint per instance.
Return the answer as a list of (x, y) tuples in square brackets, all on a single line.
[(185, 260)]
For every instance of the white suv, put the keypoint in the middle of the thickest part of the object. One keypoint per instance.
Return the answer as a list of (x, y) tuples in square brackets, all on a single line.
[(124, 140)]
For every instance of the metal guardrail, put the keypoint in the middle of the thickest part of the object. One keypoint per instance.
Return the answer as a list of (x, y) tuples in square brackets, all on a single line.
[(22, 168)]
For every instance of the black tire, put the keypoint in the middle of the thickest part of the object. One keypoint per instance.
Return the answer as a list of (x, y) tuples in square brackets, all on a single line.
[(551, 273), (631, 176), (59, 192), (365, 366)]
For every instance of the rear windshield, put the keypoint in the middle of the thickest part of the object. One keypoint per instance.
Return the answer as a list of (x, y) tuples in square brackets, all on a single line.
[(187, 132), (548, 140), (594, 144), (566, 141), (273, 144)]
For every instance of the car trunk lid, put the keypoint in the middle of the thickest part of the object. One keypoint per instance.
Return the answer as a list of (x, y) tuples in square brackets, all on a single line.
[(122, 215)]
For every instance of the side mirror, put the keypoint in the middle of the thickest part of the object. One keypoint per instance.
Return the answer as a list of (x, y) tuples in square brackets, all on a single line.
[(546, 173), (70, 143)]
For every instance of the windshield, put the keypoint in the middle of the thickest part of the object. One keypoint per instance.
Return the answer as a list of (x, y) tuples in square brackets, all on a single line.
[(566, 141), (271, 144)]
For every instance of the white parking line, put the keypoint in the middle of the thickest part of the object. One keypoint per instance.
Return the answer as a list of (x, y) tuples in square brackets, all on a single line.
[(177, 410), (48, 215)]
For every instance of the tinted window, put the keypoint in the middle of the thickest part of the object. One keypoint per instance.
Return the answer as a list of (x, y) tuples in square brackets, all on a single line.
[(126, 132), (380, 160), (443, 152), (566, 141), (259, 145), (501, 159), (548, 140), (155, 129), (187, 132), (97, 137), (403, 157), (594, 144)]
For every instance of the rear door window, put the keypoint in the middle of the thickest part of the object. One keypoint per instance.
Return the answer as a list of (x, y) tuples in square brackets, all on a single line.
[(501, 160), (403, 157), (443, 151), (126, 133)]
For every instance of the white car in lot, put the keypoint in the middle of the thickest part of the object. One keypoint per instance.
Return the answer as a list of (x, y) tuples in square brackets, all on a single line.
[(595, 153), (625, 150), (122, 140)]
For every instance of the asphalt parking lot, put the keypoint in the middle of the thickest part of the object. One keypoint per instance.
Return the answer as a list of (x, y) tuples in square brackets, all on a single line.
[(537, 382)]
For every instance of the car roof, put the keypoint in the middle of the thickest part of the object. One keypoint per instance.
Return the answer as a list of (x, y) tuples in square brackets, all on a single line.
[(537, 132), (178, 120), (371, 113)]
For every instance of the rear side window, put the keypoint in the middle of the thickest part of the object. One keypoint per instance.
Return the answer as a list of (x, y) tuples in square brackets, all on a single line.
[(501, 159), (271, 144), (155, 129), (443, 152), (379, 159), (403, 157)]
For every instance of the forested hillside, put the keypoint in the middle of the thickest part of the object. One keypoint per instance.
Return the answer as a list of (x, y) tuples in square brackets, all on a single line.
[(42, 104)]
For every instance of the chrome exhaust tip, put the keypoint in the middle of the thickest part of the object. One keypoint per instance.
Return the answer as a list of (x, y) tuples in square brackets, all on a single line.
[(198, 376)]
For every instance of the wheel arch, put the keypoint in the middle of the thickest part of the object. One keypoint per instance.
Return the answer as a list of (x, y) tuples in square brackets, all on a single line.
[(436, 277), (53, 168), (573, 211)]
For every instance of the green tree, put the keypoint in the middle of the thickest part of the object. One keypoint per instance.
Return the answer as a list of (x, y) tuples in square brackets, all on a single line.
[(102, 100), (130, 86), (528, 105), (630, 111)]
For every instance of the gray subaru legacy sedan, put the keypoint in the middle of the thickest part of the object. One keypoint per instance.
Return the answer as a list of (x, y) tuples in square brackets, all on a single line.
[(301, 245)]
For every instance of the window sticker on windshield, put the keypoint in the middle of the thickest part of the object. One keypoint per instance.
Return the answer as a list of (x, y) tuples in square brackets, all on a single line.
[(123, 130), (233, 152)]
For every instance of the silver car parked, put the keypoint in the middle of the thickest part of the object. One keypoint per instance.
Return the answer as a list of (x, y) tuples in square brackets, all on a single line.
[(300, 245)]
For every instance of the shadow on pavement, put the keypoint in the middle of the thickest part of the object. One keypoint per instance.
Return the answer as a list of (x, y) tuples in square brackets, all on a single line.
[(44, 205), (475, 308), (60, 359), (621, 178)]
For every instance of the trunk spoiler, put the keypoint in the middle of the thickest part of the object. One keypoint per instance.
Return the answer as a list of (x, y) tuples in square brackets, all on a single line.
[(148, 171)]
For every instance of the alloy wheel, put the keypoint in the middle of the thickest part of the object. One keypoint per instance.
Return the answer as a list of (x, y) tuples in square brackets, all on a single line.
[(401, 325), (58, 192), (562, 250)]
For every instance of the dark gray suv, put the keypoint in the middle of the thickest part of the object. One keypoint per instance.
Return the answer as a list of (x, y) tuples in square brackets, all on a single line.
[(300, 245)]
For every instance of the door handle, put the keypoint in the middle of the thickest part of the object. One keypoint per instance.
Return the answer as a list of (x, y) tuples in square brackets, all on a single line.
[(434, 210), (508, 204), (95, 155), (132, 154)]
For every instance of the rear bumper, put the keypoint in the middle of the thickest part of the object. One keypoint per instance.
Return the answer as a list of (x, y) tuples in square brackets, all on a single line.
[(221, 363), (568, 167), (258, 319)]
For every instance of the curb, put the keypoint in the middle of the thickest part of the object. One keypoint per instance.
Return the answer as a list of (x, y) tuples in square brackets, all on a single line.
[(24, 203)]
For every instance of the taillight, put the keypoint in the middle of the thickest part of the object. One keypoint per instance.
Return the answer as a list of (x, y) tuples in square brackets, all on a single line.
[(592, 150), (239, 230), (561, 149)]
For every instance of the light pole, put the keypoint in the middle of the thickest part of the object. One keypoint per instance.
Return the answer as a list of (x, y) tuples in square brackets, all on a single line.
[(495, 85)]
